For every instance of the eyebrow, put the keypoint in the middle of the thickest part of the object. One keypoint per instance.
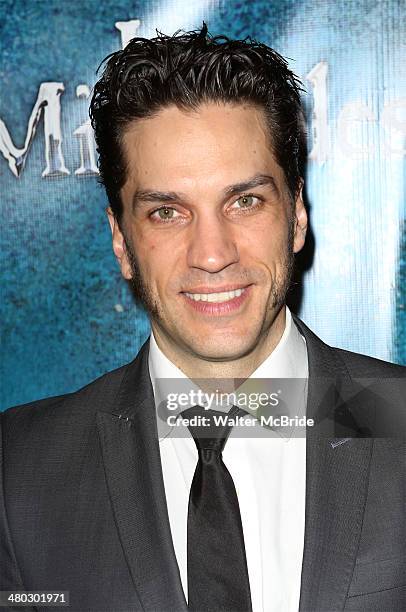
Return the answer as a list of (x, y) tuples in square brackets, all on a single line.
[(259, 180)]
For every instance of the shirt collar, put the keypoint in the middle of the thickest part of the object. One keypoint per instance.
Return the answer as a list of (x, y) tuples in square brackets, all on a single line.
[(287, 360)]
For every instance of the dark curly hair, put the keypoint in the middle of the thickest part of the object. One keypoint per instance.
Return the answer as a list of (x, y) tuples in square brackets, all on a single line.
[(187, 69)]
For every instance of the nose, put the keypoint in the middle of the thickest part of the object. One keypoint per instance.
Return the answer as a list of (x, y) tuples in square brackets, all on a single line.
[(212, 244)]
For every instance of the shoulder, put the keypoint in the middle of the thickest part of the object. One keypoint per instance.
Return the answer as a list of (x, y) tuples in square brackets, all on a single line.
[(70, 419), (78, 406), (338, 361), (378, 384), (364, 366), (57, 431)]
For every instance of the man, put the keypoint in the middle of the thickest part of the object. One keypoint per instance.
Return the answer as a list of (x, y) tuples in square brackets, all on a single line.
[(200, 142)]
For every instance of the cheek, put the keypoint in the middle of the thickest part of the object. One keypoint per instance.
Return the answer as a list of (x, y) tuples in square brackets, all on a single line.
[(156, 265), (267, 244)]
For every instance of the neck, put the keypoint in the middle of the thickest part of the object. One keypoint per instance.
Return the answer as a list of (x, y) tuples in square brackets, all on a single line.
[(196, 367)]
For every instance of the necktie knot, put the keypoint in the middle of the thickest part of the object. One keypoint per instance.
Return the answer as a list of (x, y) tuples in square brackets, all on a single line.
[(210, 429)]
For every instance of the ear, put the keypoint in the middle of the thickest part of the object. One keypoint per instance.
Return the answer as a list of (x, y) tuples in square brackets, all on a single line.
[(300, 221), (119, 248)]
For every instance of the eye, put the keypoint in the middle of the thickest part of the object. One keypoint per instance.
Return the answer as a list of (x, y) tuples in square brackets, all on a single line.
[(246, 201), (164, 214)]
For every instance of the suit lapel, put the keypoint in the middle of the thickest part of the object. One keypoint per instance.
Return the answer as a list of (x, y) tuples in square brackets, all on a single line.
[(131, 456), (336, 488)]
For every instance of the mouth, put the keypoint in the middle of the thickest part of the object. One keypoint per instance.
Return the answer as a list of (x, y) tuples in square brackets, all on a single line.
[(223, 301)]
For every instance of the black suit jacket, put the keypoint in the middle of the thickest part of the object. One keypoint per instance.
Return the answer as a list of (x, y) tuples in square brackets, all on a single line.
[(83, 509)]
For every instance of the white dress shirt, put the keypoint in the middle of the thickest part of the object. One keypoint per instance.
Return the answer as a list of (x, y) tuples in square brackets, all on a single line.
[(270, 479)]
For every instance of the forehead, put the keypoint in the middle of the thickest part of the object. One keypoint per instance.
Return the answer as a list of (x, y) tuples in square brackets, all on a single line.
[(210, 146)]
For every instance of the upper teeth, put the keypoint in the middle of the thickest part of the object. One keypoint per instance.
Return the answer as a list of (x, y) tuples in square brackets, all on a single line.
[(224, 296)]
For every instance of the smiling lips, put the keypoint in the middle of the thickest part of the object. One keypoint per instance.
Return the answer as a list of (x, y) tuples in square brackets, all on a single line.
[(219, 302), (224, 296)]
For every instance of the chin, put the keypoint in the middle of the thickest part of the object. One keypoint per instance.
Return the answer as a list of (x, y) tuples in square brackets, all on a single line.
[(223, 348)]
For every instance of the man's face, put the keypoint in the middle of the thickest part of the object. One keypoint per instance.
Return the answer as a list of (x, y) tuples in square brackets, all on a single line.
[(208, 229)]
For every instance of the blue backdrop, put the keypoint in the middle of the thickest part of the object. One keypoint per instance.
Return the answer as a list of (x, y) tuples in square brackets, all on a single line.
[(66, 315)]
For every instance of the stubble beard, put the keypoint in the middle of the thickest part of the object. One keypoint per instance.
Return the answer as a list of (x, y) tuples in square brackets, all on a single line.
[(139, 287), (143, 294)]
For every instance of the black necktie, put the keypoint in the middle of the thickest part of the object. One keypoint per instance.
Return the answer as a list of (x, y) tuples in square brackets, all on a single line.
[(216, 563)]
